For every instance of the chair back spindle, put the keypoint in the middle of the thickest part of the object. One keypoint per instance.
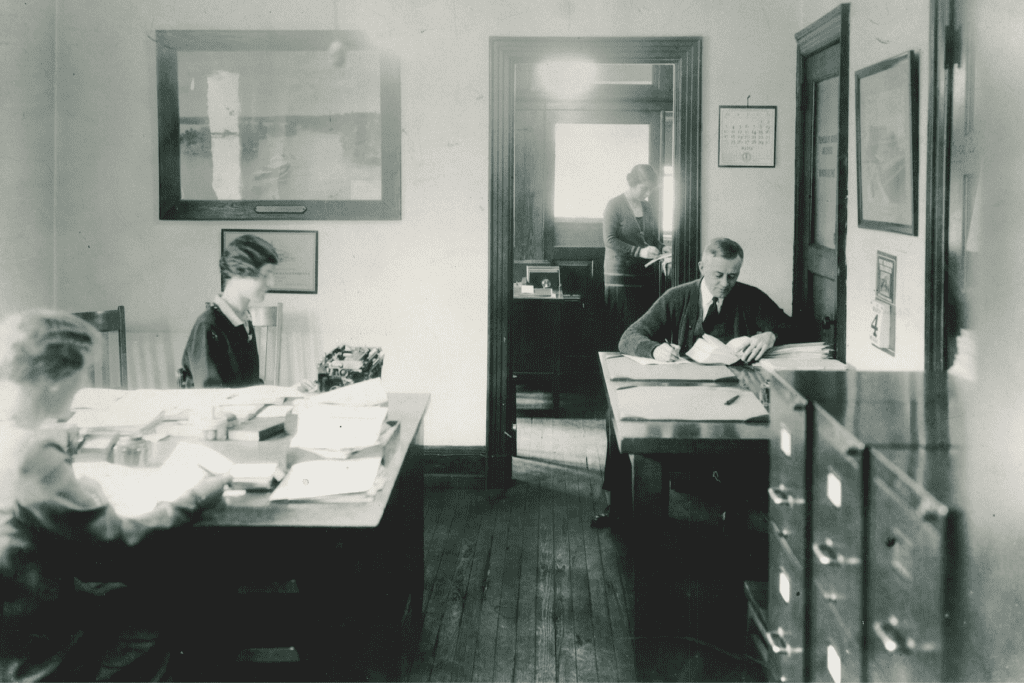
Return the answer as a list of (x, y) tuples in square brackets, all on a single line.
[(268, 322), (109, 322)]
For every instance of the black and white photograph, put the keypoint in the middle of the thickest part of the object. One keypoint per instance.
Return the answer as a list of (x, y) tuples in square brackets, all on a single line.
[(699, 322)]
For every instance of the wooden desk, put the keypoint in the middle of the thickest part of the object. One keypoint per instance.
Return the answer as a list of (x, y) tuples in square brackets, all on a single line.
[(359, 563), (537, 332), (656, 449)]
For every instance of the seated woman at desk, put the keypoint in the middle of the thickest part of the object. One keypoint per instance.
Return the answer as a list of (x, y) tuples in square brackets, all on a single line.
[(52, 524), (221, 351)]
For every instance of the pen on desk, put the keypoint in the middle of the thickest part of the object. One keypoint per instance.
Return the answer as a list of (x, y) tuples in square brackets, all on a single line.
[(732, 400)]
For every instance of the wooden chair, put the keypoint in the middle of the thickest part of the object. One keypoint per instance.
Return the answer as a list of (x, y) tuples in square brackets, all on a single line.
[(269, 320), (109, 322)]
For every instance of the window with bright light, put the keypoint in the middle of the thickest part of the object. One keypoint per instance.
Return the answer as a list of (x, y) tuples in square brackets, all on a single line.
[(591, 163)]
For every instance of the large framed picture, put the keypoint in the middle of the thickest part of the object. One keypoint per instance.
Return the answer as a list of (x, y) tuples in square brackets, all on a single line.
[(277, 125), (296, 272), (886, 107)]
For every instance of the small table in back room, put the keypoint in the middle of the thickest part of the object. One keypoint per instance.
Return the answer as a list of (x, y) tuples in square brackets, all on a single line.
[(537, 333), (719, 554)]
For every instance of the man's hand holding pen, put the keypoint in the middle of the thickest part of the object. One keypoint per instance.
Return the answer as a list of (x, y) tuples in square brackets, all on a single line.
[(666, 353)]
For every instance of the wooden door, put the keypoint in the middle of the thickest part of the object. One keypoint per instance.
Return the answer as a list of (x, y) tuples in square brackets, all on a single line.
[(819, 282)]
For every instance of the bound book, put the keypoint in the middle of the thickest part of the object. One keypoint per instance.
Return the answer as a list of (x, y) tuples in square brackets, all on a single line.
[(257, 429)]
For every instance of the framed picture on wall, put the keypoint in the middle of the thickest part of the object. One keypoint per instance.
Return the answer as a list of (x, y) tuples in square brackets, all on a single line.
[(296, 271), (277, 125), (886, 107)]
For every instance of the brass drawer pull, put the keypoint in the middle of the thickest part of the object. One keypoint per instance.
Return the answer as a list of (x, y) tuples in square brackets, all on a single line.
[(783, 498), (778, 644), (827, 554), (891, 638)]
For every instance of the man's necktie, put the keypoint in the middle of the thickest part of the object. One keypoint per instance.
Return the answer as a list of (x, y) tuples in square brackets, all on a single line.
[(711, 319)]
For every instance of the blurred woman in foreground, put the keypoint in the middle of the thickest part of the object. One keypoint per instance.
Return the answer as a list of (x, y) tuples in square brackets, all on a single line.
[(54, 626)]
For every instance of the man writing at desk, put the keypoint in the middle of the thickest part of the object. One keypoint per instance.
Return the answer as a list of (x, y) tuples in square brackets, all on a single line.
[(716, 304)]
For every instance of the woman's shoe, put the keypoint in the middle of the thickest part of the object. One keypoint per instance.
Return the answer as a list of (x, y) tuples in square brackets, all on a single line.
[(603, 520)]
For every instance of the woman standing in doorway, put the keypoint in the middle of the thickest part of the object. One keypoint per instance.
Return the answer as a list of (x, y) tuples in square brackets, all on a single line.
[(631, 240)]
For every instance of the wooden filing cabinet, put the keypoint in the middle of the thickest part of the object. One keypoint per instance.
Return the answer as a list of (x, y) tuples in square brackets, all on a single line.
[(879, 599), (838, 470), (905, 612), (785, 627)]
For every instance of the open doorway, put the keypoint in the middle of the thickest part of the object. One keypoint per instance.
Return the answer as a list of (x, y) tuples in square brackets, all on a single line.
[(528, 229)]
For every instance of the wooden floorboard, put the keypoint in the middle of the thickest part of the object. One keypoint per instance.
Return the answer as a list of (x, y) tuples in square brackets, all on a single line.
[(520, 588), (544, 618), (525, 665)]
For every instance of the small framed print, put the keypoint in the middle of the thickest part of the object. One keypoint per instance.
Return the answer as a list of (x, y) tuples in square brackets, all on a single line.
[(885, 278), (746, 136), (296, 272), (883, 326)]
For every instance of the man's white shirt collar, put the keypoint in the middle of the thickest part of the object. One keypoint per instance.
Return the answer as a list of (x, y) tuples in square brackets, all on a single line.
[(706, 297)]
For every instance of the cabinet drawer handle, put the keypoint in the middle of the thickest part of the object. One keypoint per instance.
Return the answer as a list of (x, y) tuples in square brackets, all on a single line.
[(783, 498), (827, 554), (778, 644), (891, 638)]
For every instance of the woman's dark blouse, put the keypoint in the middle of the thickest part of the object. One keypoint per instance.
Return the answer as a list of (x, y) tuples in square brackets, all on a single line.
[(625, 235), (221, 354)]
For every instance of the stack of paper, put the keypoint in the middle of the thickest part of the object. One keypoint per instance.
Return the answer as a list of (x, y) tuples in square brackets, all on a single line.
[(804, 356), (329, 430), (801, 363), (801, 350)]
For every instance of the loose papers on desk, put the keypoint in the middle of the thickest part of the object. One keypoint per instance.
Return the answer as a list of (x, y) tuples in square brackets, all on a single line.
[(134, 491), (338, 428), (369, 392), (625, 368), (689, 403), (320, 478)]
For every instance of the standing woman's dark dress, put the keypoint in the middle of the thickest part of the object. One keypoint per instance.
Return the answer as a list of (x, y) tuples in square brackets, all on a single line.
[(630, 287)]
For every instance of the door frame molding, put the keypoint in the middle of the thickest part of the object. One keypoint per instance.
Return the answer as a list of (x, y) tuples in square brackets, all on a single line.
[(505, 54), (831, 29), (942, 53)]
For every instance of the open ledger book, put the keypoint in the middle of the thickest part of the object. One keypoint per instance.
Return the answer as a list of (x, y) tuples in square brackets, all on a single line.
[(713, 351)]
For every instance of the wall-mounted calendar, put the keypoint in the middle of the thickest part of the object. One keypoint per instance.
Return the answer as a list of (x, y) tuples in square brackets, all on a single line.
[(746, 136)]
